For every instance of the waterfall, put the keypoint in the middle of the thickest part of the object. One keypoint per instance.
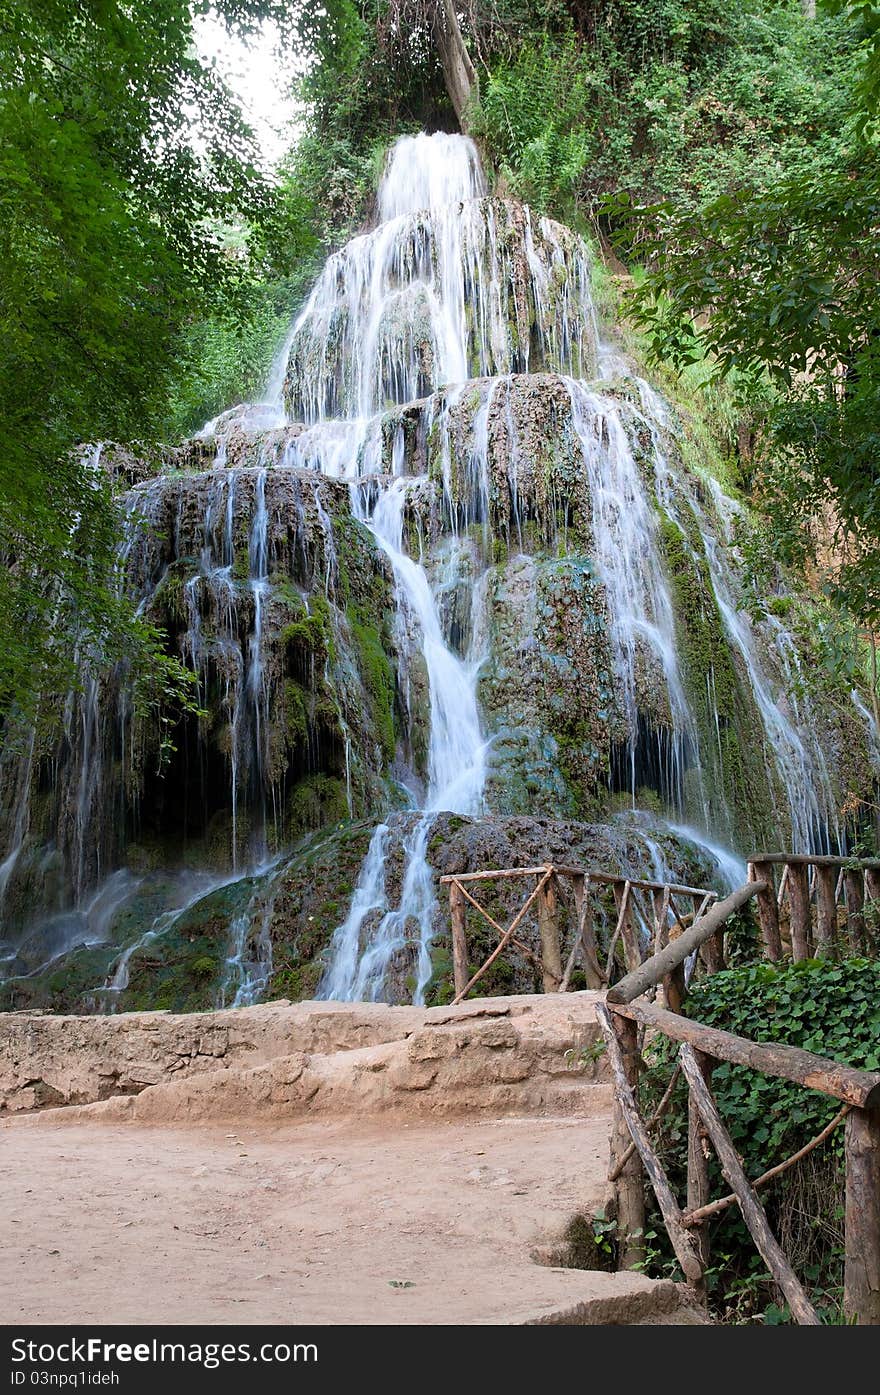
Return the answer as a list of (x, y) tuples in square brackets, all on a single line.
[(641, 616), (453, 491), (429, 187), (792, 750), (423, 299)]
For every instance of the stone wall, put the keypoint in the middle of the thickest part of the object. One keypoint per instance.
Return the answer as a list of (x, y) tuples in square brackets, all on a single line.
[(524, 1054)]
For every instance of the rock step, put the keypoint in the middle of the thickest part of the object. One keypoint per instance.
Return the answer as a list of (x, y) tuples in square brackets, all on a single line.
[(529, 1054)]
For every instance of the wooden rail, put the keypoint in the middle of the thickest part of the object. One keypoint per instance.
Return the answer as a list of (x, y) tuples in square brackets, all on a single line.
[(623, 1016), (832, 904), (640, 916)]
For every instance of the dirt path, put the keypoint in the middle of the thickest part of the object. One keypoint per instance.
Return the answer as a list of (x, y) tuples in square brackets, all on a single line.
[(323, 1221)]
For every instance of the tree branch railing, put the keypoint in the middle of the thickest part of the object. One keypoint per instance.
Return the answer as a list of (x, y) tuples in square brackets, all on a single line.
[(642, 917), (626, 1013), (824, 903)]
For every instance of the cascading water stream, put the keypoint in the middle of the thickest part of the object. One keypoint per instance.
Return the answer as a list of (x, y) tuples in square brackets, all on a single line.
[(792, 750), (447, 367), (641, 615)]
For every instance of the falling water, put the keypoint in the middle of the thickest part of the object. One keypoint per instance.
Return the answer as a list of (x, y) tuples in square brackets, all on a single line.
[(627, 556), (424, 324)]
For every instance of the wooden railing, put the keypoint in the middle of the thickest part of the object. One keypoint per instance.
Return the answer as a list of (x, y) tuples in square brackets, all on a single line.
[(626, 1015), (645, 917), (813, 889)]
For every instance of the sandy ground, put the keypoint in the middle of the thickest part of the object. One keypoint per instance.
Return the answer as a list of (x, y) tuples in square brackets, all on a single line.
[(320, 1221)]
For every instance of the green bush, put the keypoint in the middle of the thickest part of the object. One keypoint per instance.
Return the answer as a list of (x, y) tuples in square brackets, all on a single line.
[(830, 1009)]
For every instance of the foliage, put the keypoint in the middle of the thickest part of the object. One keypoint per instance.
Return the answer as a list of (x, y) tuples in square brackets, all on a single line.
[(769, 1119), (779, 286), (683, 98), (123, 161)]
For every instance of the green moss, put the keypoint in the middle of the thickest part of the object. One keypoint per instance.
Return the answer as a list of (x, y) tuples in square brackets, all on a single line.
[(378, 679), (295, 714), (719, 698), (306, 637), (241, 563), (315, 801)]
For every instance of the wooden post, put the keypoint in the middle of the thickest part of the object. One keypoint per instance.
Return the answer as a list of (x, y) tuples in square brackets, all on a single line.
[(872, 894), (698, 1189), (768, 911), (682, 1240), (587, 932), (855, 915), (712, 950), (673, 982), (861, 1275), (632, 950), (629, 1187), (872, 884), (548, 925), (457, 907), (826, 912), (752, 1211), (799, 908)]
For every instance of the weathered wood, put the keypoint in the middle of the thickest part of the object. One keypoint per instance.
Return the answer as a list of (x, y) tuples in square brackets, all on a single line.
[(698, 1186), (632, 950), (872, 884), (674, 988), (799, 911), (713, 1207), (855, 915), (457, 911), (783, 885), (505, 938), (826, 912), (673, 985), (752, 1211), (569, 965), (858, 1087), (660, 901), (654, 1119), (482, 910), (711, 950), (861, 1271), (586, 932), (768, 911), (610, 877), (628, 1188), (814, 859), (548, 928), (523, 948), (682, 1242), (649, 974), (459, 73), (494, 874), (607, 878)]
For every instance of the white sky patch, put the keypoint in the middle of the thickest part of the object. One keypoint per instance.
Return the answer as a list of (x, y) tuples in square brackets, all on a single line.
[(260, 80)]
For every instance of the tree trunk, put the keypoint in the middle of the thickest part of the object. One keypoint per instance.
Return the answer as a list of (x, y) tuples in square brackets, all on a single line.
[(459, 73)]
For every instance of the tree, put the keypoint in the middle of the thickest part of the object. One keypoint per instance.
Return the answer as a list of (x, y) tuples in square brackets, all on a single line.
[(780, 289), (122, 159)]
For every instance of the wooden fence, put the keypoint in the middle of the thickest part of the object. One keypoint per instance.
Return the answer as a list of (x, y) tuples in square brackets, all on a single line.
[(829, 902), (624, 1018), (642, 917)]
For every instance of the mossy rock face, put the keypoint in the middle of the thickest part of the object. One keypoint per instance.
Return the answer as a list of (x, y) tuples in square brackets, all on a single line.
[(181, 966), (311, 899), (184, 968), (735, 777), (549, 692), (314, 890)]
